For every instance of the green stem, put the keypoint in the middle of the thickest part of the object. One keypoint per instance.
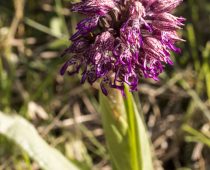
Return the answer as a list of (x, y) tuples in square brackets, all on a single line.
[(125, 132)]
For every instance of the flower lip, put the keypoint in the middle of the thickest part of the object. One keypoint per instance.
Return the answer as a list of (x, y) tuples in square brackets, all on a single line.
[(121, 41)]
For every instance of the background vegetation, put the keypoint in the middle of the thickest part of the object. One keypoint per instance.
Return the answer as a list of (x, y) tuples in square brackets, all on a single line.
[(66, 114)]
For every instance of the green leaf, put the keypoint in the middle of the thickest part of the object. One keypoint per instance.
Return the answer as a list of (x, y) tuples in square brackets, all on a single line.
[(125, 133), (24, 134), (196, 136)]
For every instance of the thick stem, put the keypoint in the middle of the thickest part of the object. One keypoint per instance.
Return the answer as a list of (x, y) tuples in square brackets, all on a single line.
[(125, 133)]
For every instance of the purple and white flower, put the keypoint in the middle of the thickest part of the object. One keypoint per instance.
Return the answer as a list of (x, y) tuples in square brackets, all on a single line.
[(121, 41)]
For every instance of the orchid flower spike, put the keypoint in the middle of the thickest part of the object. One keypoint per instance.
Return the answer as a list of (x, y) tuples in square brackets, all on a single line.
[(121, 41)]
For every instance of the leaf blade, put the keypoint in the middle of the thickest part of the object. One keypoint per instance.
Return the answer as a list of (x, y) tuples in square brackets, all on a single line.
[(24, 134), (128, 128)]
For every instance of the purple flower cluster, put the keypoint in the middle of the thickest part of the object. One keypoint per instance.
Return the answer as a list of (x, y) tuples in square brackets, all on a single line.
[(121, 41)]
